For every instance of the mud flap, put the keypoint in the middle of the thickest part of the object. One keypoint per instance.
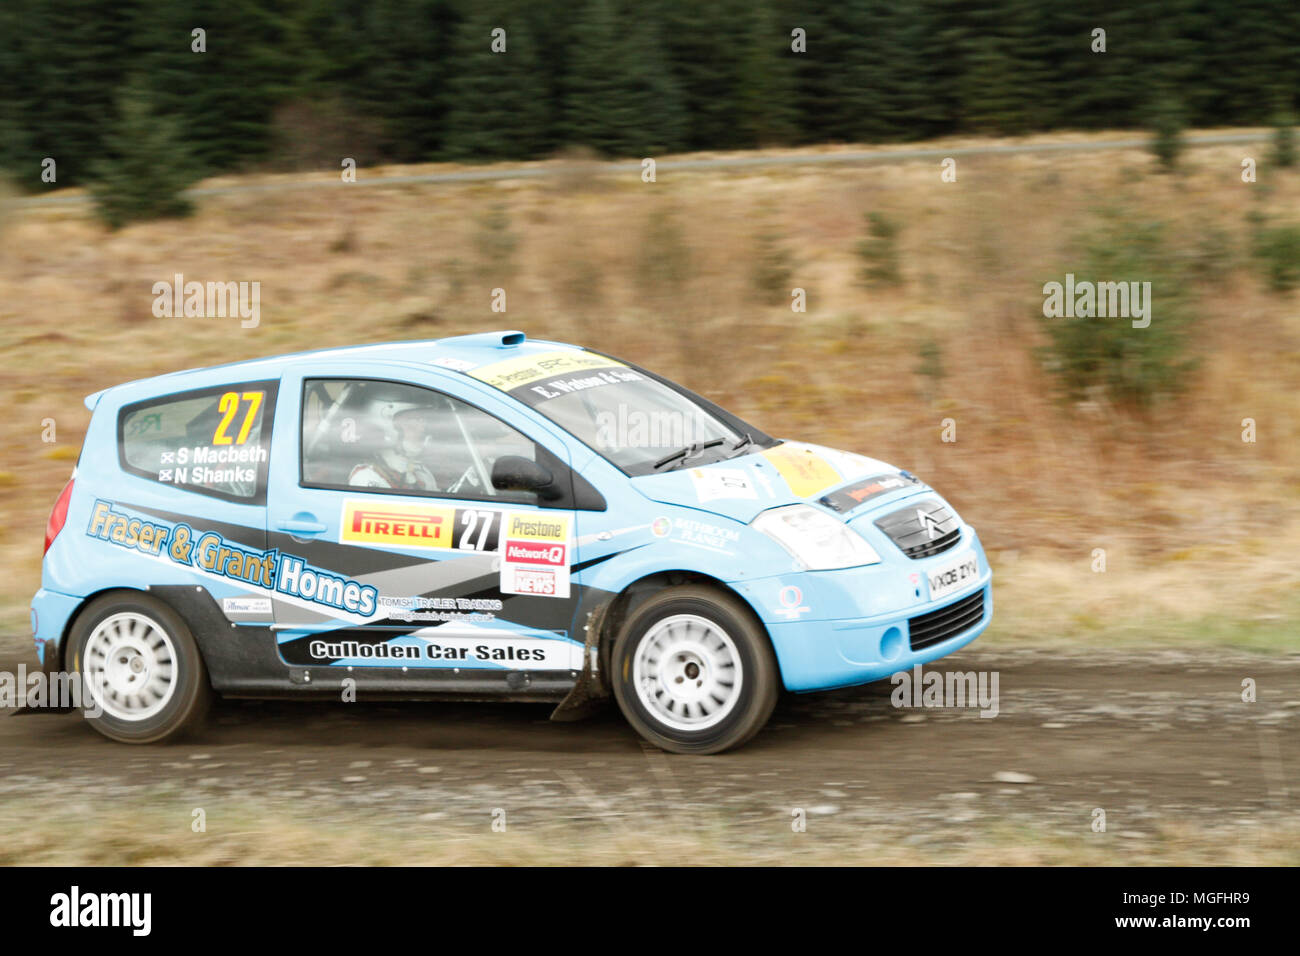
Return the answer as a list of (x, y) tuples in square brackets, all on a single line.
[(590, 695)]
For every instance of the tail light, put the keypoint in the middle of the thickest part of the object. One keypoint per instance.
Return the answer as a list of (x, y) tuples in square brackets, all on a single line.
[(58, 516)]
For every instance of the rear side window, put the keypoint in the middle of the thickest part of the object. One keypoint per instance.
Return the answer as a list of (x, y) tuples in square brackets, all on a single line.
[(212, 441)]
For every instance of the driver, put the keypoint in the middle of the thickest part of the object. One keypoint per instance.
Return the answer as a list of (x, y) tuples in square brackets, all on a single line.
[(403, 431)]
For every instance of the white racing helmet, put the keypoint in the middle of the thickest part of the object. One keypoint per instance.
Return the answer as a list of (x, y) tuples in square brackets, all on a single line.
[(385, 413)]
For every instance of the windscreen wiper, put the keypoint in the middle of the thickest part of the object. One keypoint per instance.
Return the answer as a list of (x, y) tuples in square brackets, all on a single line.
[(690, 451)]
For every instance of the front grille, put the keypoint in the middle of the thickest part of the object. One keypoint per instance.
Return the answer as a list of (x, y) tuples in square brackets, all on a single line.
[(923, 530), (936, 626)]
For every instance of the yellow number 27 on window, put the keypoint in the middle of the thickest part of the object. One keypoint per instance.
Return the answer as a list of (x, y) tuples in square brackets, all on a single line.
[(229, 407)]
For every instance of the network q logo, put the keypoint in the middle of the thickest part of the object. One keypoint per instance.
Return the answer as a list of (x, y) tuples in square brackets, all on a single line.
[(526, 552)]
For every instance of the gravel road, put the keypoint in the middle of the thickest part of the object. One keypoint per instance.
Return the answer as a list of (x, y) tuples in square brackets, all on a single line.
[(1152, 738)]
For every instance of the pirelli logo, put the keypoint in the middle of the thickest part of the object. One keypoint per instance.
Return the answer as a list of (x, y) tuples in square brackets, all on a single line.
[(419, 526), (397, 524)]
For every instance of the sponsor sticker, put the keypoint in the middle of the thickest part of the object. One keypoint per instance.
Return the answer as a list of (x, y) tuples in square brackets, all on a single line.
[(419, 526), (534, 379), (438, 648), (246, 605), (209, 553), (805, 471), (713, 483), (704, 534), (441, 610), (535, 554), (791, 600), (526, 369), (850, 496)]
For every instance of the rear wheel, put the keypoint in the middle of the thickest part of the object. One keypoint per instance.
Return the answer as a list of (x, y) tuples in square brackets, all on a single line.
[(693, 671), (140, 669)]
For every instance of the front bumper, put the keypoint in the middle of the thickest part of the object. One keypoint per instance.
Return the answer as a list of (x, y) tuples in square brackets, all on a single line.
[(841, 628), (820, 655)]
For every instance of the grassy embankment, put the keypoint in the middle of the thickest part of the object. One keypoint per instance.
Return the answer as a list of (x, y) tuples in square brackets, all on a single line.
[(691, 275)]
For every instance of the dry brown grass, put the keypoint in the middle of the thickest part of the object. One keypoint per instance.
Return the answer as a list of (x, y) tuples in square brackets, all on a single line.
[(1185, 510)]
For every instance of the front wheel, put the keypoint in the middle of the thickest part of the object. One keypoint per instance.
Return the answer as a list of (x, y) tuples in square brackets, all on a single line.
[(693, 671), (140, 667)]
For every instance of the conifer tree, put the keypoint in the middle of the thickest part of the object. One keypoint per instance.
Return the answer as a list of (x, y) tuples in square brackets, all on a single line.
[(620, 97), (146, 166), (498, 109)]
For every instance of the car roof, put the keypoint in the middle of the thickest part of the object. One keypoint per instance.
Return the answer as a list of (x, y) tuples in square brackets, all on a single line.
[(456, 353)]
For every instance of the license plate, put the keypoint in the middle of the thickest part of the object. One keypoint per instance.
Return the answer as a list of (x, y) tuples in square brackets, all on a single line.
[(953, 576)]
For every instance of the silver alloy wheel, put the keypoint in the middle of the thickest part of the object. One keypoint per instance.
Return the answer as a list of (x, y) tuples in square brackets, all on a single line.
[(130, 666), (687, 672)]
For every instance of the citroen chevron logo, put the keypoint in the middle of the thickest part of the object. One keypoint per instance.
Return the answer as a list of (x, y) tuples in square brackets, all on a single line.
[(928, 524)]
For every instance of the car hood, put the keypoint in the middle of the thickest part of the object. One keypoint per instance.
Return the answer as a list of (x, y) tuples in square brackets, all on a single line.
[(788, 473)]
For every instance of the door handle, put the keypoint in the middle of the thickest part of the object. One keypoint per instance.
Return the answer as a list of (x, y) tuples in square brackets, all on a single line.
[(303, 525)]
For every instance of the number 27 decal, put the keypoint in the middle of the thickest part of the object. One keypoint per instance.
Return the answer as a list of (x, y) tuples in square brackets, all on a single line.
[(229, 407), (477, 530)]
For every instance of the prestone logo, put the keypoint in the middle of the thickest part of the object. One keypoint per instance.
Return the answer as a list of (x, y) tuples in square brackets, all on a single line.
[(1086, 300)]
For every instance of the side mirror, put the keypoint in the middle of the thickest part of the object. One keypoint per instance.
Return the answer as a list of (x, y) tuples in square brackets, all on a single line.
[(513, 473)]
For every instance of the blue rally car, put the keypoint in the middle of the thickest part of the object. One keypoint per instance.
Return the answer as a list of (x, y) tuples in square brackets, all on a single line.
[(484, 517)]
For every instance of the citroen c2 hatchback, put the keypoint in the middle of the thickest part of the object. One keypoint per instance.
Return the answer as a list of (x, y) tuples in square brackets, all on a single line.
[(483, 517)]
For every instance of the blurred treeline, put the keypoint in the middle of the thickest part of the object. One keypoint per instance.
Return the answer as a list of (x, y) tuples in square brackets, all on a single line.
[(299, 83)]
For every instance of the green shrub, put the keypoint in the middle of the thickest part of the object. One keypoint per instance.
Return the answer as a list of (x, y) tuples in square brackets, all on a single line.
[(1213, 255), (496, 242), (773, 267), (1277, 252), (665, 264), (930, 367), (1166, 121), (1284, 156), (879, 252), (1106, 357), (147, 166)]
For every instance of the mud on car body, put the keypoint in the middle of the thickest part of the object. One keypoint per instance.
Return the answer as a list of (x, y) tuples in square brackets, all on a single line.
[(484, 517)]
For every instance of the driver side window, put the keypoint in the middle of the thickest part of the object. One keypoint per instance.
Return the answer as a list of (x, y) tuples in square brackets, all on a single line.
[(404, 439)]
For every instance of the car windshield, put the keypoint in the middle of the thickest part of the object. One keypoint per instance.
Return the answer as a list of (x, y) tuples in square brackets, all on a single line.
[(639, 424)]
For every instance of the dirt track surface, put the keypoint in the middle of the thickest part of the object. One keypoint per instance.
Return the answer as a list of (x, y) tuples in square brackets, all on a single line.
[(1151, 737)]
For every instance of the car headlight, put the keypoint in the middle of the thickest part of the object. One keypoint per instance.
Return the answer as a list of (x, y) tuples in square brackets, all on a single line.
[(817, 540)]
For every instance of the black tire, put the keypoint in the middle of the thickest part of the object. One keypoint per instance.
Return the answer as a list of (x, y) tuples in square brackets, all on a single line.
[(754, 697), (191, 695)]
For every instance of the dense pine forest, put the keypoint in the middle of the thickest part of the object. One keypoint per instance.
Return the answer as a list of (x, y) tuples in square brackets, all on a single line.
[(299, 83)]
